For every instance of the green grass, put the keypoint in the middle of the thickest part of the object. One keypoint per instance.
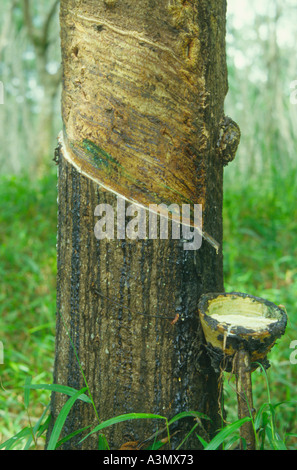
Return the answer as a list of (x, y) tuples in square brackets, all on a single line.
[(260, 227), (27, 293), (260, 252), (264, 425)]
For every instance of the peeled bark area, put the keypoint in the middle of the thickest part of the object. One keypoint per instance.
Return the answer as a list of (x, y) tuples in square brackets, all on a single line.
[(144, 84)]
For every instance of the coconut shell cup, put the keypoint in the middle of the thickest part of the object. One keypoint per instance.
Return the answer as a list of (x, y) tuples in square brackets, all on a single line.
[(234, 321)]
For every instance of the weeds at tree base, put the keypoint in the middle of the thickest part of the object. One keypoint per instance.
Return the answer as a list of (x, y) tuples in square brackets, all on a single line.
[(264, 423), (227, 438)]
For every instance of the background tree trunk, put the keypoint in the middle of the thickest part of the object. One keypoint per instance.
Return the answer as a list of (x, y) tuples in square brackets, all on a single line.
[(40, 39), (145, 83)]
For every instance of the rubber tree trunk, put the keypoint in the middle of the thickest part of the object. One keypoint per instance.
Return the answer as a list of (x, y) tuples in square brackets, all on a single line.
[(143, 94)]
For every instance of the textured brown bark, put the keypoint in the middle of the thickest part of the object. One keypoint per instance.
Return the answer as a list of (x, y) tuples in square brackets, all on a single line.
[(112, 294), (245, 398)]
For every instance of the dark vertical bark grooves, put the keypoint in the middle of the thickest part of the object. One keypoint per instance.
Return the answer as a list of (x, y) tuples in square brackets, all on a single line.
[(73, 380)]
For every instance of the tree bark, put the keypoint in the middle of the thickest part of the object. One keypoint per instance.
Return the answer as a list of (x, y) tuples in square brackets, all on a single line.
[(144, 84), (245, 398)]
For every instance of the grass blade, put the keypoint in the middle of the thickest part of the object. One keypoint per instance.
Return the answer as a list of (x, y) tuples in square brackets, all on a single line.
[(102, 443), (202, 441), (226, 432), (279, 444), (59, 388), (188, 414), (70, 436), (232, 442), (10, 443), (36, 428), (62, 418), (259, 416), (120, 419), (27, 391), (187, 436)]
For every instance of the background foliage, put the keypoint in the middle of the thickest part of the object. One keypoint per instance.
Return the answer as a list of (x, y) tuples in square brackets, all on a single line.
[(260, 212)]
